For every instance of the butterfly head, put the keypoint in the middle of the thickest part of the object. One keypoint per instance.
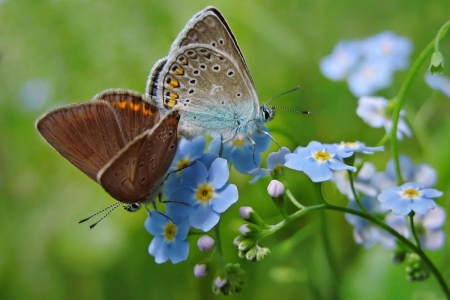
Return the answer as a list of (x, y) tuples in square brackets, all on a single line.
[(267, 112)]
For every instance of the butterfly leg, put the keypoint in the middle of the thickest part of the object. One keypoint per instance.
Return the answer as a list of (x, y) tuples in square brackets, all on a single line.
[(253, 150), (221, 146), (271, 137)]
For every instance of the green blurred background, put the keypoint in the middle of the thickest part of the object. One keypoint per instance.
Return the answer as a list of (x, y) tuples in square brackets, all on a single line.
[(59, 52)]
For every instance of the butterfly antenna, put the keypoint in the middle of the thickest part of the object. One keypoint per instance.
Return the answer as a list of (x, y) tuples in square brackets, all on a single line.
[(110, 207), (305, 112), (282, 94)]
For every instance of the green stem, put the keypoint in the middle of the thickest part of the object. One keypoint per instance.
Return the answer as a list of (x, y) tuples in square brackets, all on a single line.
[(293, 200), (413, 228), (350, 177), (440, 35), (400, 99), (327, 245), (378, 222), (219, 245), (329, 253)]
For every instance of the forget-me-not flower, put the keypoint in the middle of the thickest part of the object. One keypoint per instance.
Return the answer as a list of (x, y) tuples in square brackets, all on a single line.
[(170, 236), (317, 161), (428, 227), (337, 65), (361, 182), (275, 162), (240, 152), (370, 77), (409, 197), (368, 65), (365, 232), (421, 173), (207, 195), (352, 147), (373, 111), (389, 47)]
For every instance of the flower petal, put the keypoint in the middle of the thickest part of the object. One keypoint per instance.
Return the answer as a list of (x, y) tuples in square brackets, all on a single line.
[(225, 197), (203, 217), (219, 173)]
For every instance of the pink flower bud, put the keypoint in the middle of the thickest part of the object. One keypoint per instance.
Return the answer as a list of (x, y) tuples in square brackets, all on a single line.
[(275, 189)]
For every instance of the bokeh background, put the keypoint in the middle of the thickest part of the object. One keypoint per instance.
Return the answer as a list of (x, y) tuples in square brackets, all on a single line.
[(59, 52)]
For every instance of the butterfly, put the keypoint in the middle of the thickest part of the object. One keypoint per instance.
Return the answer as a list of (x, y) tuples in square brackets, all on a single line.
[(119, 140), (205, 76)]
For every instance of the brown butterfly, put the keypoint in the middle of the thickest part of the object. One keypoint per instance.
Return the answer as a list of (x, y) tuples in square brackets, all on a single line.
[(119, 140)]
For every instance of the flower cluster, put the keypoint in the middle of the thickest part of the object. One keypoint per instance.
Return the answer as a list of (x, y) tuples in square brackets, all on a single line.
[(368, 65), (196, 195), (377, 112), (381, 196)]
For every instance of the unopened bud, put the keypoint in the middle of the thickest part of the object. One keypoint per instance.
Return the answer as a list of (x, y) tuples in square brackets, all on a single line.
[(205, 243), (200, 270)]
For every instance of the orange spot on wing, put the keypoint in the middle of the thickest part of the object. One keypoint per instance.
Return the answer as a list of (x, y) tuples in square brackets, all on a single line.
[(146, 111), (179, 71), (122, 104), (173, 84), (135, 106)]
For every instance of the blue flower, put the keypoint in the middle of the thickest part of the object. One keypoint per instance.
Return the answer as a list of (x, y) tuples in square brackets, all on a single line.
[(188, 152), (361, 182), (275, 161), (389, 47), (421, 173), (170, 236), (428, 227), (317, 161), (352, 147), (240, 152), (365, 232), (409, 197), (341, 61), (370, 77), (368, 65), (373, 111), (207, 194), (438, 82)]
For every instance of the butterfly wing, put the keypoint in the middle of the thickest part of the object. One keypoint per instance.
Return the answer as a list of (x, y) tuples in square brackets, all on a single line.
[(135, 112), (137, 171), (209, 27), (86, 134), (206, 77), (90, 133)]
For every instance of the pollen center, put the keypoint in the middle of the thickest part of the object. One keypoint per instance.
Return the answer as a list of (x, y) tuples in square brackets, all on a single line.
[(204, 193), (350, 144), (411, 193), (183, 163), (170, 231), (238, 142), (322, 155)]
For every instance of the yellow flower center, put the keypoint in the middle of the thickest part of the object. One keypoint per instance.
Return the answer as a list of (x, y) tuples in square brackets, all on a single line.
[(183, 163), (410, 193), (204, 193), (322, 155), (278, 168), (350, 144), (238, 142), (170, 231)]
